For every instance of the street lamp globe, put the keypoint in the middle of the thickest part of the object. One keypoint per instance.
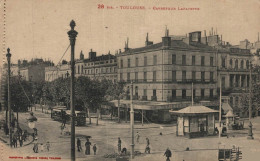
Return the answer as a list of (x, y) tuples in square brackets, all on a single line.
[(31, 120)]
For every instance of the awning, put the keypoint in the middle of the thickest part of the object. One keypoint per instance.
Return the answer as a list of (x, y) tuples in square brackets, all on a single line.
[(150, 105), (191, 110), (226, 107)]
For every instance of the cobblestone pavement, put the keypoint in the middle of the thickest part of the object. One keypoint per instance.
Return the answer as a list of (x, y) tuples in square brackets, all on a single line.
[(106, 133)]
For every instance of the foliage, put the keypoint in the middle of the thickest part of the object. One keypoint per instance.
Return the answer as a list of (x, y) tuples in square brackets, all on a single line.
[(20, 94)]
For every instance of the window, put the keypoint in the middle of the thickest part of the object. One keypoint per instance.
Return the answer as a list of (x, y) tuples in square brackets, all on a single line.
[(203, 76), (154, 76), (136, 76), (174, 93), (193, 76), (106, 70), (82, 69), (247, 64), (183, 76), (211, 93), (184, 94), (145, 76), (128, 63), (154, 92), (173, 59), (211, 77), (230, 63), (236, 64), (136, 91), (223, 63), (136, 62), (155, 60), (96, 70), (183, 59), (78, 69), (193, 60), (231, 101), (211, 61), (128, 77), (223, 82), (121, 76), (202, 93), (202, 60), (174, 76), (145, 92), (242, 64), (194, 93), (145, 61), (121, 63)]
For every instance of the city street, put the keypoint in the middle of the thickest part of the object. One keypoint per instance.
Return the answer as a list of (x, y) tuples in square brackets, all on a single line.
[(105, 136)]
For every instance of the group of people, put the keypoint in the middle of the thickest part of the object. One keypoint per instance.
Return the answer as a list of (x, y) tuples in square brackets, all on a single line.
[(167, 153), (20, 136), (87, 146), (40, 146)]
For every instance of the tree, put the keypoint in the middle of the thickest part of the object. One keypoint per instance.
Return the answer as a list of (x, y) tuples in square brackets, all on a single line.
[(20, 94), (116, 91)]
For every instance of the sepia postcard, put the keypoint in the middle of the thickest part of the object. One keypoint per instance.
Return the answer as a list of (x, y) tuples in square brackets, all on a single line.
[(121, 80)]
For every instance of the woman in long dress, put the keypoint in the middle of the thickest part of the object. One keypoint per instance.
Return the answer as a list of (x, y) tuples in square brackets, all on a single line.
[(87, 145)]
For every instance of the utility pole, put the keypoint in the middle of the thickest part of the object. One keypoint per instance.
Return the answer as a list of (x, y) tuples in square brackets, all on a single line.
[(132, 122), (8, 55), (250, 92), (72, 36), (220, 105)]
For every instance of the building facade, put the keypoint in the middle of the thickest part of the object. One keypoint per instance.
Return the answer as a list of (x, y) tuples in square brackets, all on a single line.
[(166, 71)]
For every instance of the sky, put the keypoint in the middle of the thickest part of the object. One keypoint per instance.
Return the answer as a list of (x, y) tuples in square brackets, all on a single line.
[(38, 28)]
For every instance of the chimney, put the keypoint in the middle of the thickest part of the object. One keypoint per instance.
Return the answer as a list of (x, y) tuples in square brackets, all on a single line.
[(221, 39), (147, 42), (81, 56), (211, 31), (258, 37), (166, 40), (195, 37), (119, 51), (126, 45), (92, 55)]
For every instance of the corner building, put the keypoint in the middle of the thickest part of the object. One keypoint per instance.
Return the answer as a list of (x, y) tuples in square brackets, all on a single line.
[(166, 71)]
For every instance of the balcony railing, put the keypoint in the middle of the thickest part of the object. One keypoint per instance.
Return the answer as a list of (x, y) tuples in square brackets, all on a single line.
[(153, 98), (182, 81)]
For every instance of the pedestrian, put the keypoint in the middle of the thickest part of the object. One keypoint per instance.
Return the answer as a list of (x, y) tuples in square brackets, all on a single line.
[(119, 145), (48, 145), (147, 142), (94, 149), (124, 150), (35, 131), (79, 145), (15, 141), (61, 128), (87, 145), (168, 154), (21, 140), (24, 135), (137, 137), (35, 147)]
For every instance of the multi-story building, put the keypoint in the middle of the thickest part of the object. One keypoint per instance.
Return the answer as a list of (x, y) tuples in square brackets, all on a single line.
[(94, 67), (60, 71), (97, 67), (166, 71), (33, 70)]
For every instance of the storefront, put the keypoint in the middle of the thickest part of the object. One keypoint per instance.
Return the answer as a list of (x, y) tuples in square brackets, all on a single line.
[(195, 121)]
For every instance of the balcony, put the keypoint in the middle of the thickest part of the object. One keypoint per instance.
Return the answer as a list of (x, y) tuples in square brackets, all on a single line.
[(144, 98), (153, 98)]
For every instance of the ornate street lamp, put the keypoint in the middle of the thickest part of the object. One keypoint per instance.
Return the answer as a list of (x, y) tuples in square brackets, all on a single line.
[(8, 55), (72, 36)]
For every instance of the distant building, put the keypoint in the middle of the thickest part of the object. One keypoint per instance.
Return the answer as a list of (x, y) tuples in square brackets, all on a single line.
[(98, 67), (33, 70)]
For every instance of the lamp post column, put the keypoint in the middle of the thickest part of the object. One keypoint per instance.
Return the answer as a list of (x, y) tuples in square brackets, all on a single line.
[(8, 55), (132, 122), (72, 36)]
